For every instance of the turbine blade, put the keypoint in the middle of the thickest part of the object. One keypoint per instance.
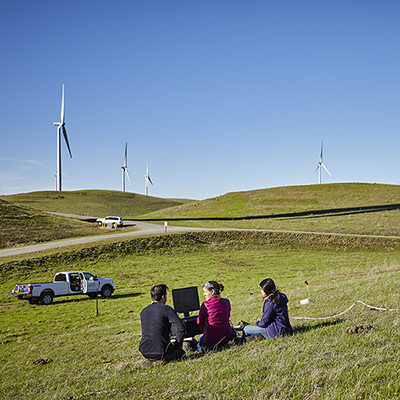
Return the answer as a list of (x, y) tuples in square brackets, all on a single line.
[(322, 148), (66, 139), (149, 179), (326, 169), (316, 169), (62, 106), (127, 174), (126, 154)]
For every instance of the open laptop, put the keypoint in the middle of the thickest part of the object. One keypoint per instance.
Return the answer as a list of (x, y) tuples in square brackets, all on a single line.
[(186, 300)]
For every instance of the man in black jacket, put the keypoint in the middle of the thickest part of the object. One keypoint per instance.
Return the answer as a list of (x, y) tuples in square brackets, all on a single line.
[(156, 320)]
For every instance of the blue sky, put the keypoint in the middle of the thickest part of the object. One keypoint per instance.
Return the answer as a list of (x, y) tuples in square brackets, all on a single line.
[(220, 96)]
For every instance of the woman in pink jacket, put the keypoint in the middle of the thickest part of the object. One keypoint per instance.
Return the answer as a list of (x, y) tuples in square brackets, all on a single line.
[(214, 318)]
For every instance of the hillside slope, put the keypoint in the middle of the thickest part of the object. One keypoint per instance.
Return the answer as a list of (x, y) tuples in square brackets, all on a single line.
[(358, 208), (22, 225), (94, 202), (342, 208)]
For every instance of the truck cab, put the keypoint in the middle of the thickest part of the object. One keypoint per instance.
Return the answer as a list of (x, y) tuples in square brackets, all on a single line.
[(73, 282)]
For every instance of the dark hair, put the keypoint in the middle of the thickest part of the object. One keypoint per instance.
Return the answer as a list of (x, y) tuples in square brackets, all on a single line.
[(219, 287), (269, 288), (158, 291)]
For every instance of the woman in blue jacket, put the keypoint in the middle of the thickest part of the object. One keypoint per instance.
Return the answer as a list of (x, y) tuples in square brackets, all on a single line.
[(275, 319)]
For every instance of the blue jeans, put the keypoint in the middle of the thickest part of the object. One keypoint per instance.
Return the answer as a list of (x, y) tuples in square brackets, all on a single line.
[(253, 330), (202, 346)]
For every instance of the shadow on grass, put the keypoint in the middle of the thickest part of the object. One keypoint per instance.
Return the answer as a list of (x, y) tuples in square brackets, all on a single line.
[(333, 212), (86, 298), (126, 295), (305, 328)]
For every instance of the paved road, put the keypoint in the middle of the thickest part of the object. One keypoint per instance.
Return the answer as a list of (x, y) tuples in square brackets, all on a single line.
[(142, 228)]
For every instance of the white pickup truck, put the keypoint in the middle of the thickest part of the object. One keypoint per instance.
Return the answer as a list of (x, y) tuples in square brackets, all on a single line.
[(110, 222), (64, 284)]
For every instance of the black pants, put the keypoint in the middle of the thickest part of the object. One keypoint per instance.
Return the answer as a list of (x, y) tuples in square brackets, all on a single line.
[(172, 352)]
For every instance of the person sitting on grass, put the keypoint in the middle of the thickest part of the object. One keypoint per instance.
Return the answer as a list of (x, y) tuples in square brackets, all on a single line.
[(275, 318), (156, 320), (214, 317)]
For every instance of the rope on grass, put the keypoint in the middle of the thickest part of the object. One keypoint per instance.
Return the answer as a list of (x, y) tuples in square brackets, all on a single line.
[(348, 309)]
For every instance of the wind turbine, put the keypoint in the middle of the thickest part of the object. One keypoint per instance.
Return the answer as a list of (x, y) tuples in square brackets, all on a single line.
[(61, 126), (125, 168), (321, 164), (147, 179)]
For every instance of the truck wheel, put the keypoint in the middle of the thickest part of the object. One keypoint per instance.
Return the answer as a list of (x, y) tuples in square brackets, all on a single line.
[(99, 223), (46, 298), (106, 291)]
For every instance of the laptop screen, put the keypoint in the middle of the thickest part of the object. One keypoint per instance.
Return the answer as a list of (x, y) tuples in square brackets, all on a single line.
[(186, 299)]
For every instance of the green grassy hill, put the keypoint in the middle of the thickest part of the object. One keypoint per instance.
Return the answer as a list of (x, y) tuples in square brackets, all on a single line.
[(21, 225), (358, 208), (46, 348), (23, 221), (94, 202), (69, 351), (342, 208)]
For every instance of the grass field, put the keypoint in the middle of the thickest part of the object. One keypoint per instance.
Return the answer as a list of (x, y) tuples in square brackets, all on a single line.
[(358, 208), (66, 351)]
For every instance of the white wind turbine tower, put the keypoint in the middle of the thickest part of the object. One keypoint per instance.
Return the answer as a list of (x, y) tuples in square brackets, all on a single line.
[(125, 168), (61, 126), (321, 164), (147, 179)]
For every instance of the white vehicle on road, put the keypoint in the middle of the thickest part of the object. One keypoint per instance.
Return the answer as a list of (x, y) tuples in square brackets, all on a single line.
[(64, 284), (116, 221)]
